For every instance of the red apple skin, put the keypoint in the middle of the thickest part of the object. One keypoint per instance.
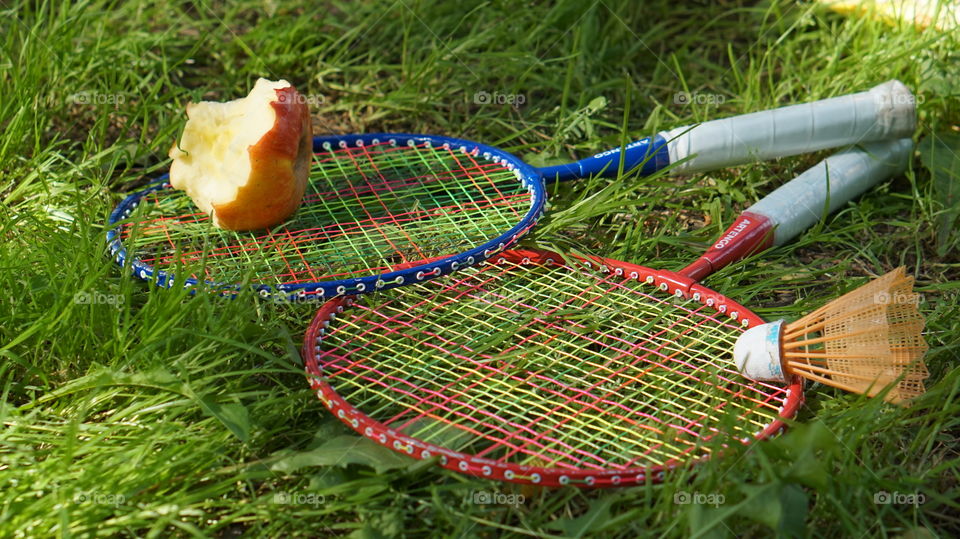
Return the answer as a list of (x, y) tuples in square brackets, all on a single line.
[(279, 168)]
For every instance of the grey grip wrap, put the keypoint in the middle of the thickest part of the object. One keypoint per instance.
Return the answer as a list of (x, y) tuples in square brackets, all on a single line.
[(884, 112), (799, 204)]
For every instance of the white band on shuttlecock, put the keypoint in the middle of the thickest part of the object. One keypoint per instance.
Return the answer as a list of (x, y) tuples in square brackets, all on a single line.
[(757, 353)]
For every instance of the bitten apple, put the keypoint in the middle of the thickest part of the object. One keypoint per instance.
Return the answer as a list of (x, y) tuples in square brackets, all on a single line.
[(246, 162)]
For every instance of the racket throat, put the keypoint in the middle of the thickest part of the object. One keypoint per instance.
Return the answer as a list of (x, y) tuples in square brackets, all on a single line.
[(757, 353), (749, 233)]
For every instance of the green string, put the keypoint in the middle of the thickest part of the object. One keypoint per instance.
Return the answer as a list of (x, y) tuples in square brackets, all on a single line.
[(577, 329), (428, 203)]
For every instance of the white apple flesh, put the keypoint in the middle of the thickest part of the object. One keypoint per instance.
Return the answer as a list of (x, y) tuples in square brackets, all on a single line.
[(246, 162)]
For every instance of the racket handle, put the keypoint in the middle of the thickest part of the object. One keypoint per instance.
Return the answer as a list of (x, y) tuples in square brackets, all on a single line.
[(884, 112), (801, 202), (831, 183)]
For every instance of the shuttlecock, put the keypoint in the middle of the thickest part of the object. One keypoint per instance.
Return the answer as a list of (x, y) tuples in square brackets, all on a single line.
[(864, 341)]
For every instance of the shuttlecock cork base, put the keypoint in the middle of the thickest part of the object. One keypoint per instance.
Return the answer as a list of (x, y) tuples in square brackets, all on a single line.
[(757, 353), (865, 341)]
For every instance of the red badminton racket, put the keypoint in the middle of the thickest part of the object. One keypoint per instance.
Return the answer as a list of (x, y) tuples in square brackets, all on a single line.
[(596, 372)]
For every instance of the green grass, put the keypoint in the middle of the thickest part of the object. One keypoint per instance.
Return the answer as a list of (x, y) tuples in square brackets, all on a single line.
[(150, 413)]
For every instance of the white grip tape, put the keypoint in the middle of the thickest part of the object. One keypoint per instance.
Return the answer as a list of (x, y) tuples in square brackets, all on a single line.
[(884, 112), (757, 353), (798, 204)]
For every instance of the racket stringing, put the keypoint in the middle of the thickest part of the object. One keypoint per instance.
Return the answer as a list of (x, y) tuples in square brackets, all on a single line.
[(587, 371)]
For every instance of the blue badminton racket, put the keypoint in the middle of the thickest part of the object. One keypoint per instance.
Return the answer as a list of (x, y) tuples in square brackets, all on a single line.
[(384, 210)]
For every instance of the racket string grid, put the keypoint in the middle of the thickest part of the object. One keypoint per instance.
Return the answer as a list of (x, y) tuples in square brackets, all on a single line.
[(546, 369), (367, 209)]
